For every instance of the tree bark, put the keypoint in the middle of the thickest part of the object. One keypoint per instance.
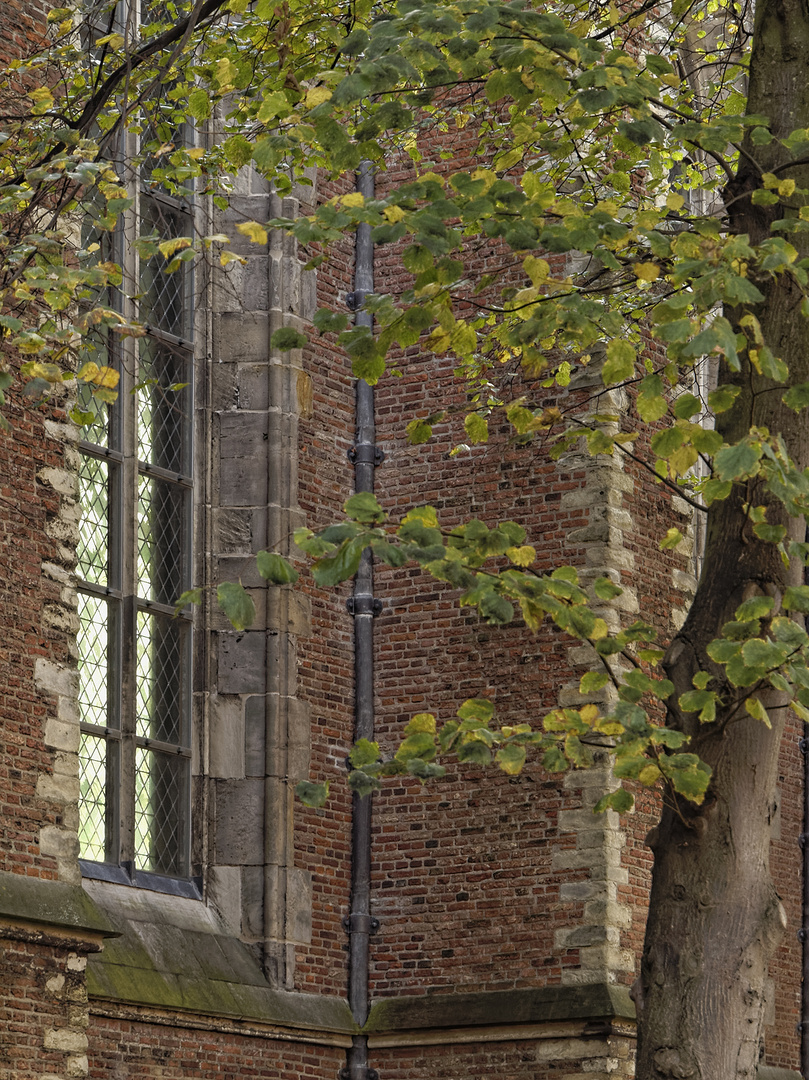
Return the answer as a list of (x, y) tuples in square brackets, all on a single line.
[(715, 917)]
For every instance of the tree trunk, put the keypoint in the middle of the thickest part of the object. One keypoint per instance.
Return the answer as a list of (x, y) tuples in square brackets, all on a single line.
[(714, 916)]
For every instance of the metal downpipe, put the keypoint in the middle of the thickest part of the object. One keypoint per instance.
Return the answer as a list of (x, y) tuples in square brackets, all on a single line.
[(803, 933), (362, 605)]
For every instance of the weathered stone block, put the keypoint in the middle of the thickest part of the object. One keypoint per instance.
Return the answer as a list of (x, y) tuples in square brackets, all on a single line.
[(239, 822), (255, 720), (242, 662), (226, 754)]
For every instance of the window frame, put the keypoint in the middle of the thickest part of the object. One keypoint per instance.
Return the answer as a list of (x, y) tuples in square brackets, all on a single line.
[(129, 590)]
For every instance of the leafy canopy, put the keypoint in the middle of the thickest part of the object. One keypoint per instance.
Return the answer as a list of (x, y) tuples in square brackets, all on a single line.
[(594, 153)]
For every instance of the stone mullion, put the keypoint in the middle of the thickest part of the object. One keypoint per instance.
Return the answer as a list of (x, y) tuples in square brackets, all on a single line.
[(259, 729)]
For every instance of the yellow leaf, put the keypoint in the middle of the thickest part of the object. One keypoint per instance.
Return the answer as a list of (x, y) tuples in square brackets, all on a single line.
[(683, 459), (589, 713), (354, 198), (226, 72), (646, 271), (87, 372), (316, 95), (115, 41), (230, 257), (804, 213), (537, 269), (786, 187), (672, 538), (393, 214), (41, 96), (674, 202), (769, 180), (649, 774), (253, 231), (521, 556), (168, 247), (107, 377)]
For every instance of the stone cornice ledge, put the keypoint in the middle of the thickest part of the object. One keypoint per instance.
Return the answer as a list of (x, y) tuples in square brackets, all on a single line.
[(501, 1015), (584, 1011), (39, 909)]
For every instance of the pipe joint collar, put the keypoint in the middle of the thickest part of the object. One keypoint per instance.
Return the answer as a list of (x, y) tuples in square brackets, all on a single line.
[(363, 604), (366, 454), (360, 923)]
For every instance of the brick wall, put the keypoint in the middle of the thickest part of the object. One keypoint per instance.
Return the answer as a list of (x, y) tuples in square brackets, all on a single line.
[(123, 1048), (43, 1009), (38, 522)]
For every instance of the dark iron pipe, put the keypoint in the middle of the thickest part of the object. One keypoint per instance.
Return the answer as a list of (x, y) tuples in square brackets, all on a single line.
[(363, 607), (803, 933)]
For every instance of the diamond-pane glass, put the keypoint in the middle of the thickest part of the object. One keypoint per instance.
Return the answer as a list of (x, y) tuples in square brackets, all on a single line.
[(93, 798), (161, 535), (94, 648), (97, 430), (160, 677), (161, 795), (94, 529), (164, 299), (164, 406)]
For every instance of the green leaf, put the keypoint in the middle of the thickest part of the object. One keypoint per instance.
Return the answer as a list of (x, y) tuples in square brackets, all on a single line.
[(363, 784), (388, 553), (312, 794), (606, 589), (722, 399), (421, 744), (190, 596), (757, 607), (286, 338), (364, 508), (363, 752), (796, 598), (419, 431), (716, 490), (421, 722), (772, 534), (759, 653), (511, 758), (755, 708), (332, 569), (737, 462), (276, 568), (237, 604), (593, 681), (686, 405), (671, 540), (797, 397), (474, 752), (477, 709), (620, 800), (688, 775), (476, 427), (620, 363)]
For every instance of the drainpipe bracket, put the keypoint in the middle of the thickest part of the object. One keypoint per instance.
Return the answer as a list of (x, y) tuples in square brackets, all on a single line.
[(355, 299), (803, 744), (359, 923), (803, 934), (362, 604), (803, 840), (363, 1073), (365, 454)]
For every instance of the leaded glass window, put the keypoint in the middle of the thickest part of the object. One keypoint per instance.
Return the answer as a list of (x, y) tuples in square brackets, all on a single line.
[(134, 561)]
